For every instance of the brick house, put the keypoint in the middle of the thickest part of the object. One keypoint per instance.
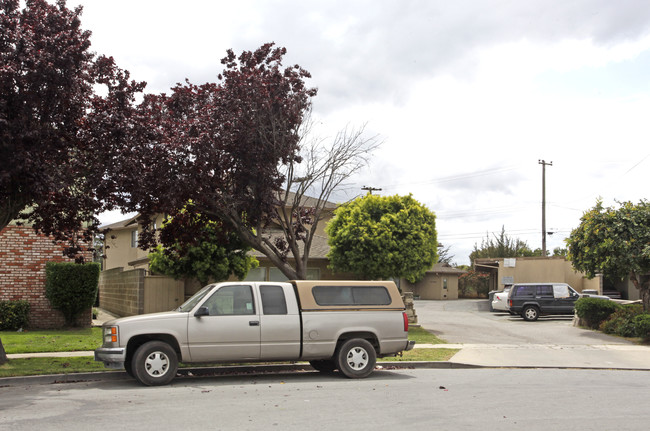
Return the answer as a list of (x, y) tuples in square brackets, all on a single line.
[(23, 255)]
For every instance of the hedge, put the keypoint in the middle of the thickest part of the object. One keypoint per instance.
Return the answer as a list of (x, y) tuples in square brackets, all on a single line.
[(621, 322), (14, 315), (71, 287), (595, 311), (642, 325)]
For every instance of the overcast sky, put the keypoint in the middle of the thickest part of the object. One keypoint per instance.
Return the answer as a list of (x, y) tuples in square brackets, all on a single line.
[(467, 96)]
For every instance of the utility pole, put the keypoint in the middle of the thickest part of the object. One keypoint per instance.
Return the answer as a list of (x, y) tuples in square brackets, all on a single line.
[(370, 189), (544, 165)]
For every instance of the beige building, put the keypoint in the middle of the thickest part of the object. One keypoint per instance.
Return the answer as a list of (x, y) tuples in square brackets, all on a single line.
[(440, 282), (505, 271)]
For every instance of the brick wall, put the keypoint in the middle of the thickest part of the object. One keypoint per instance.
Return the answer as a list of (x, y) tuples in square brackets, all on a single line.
[(122, 292), (23, 255)]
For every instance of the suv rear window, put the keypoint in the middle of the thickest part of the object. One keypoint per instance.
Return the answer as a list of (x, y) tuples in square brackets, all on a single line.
[(525, 291), (351, 295)]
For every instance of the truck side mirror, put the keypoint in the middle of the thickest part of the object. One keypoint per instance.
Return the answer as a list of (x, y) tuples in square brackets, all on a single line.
[(202, 311)]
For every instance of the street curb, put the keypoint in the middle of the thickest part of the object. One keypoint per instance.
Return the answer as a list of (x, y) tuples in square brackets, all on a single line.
[(210, 371), (190, 373)]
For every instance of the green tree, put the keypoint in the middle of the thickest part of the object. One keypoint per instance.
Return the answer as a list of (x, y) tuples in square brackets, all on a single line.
[(501, 246), (199, 247), (379, 237), (614, 242)]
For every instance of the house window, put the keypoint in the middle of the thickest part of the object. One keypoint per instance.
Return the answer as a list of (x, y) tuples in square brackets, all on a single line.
[(444, 283), (134, 238)]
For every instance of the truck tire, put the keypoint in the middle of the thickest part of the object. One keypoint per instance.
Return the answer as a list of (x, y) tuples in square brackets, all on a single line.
[(326, 366), (154, 363), (356, 358)]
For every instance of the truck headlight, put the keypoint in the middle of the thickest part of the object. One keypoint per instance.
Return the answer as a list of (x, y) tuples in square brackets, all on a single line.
[(111, 335)]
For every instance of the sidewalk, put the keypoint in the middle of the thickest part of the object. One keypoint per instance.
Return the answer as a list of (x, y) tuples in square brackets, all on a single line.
[(604, 356)]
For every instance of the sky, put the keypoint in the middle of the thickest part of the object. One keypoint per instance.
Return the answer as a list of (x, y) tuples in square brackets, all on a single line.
[(467, 96)]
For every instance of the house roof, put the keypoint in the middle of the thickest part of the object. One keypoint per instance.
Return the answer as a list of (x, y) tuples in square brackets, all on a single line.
[(441, 268), (307, 201), (319, 246), (121, 224)]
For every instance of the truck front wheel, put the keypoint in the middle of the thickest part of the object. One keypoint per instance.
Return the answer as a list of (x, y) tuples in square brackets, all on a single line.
[(356, 358), (154, 363)]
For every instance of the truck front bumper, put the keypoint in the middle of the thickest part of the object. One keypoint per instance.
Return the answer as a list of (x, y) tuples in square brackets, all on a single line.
[(112, 357)]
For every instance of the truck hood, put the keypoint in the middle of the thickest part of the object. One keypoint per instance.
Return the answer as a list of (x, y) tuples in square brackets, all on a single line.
[(151, 317)]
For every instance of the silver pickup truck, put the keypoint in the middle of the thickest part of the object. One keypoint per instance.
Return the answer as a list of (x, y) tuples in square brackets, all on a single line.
[(342, 325)]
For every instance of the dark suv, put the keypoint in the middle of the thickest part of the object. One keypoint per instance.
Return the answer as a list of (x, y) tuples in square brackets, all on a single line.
[(531, 300)]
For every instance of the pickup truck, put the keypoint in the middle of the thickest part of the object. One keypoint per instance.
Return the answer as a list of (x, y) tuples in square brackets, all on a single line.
[(335, 325)]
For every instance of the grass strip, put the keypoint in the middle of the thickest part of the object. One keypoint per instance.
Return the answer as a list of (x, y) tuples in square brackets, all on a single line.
[(44, 366), (62, 340)]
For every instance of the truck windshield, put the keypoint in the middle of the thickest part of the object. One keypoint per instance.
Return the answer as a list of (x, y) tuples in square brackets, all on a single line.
[(198, 296)]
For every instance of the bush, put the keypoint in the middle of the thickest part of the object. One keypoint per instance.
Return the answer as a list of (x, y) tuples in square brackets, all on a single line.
[(13, 315), (642, 325), (621, 322), (595, 310), (71, 288)]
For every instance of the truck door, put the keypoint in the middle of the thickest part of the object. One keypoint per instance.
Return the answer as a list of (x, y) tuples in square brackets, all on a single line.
[(279, 322), (231, 330)]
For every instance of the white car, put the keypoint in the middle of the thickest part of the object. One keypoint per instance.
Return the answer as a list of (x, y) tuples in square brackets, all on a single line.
[(500, 300)]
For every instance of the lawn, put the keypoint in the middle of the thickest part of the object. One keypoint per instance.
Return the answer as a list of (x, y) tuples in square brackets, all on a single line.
[(68, 340)]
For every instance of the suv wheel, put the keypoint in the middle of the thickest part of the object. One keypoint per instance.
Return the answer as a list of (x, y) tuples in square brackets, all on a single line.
[(154, 363), (530, 313), (356, 358)]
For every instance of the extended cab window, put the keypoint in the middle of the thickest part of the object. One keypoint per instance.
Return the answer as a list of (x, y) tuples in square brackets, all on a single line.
[(351, 295), (231, 300), (273, 300)]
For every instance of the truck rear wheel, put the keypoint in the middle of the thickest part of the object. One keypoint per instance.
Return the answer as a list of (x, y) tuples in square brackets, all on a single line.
[(356, 358), (154, 363)]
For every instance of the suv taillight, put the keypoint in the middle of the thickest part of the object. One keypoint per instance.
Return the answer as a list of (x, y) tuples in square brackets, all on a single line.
[(406, 321)]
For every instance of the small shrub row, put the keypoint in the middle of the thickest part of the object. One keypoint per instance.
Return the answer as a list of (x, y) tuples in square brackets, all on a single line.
[(13, 315), (624, 320)]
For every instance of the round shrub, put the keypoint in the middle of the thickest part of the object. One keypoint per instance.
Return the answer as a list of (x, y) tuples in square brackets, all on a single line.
[(594, 311)]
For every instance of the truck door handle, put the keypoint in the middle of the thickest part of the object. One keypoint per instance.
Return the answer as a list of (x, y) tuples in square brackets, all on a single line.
[(254, 323)]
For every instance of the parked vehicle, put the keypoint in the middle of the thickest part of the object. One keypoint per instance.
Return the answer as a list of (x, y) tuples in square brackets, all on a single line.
[(531, 300), (342, 325), (500, 300)]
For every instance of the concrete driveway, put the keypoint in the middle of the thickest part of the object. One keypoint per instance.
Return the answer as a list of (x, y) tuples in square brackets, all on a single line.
[(469, 321)]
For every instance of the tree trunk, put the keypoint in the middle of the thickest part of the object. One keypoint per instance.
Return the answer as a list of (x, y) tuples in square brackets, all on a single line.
[(3, 354)]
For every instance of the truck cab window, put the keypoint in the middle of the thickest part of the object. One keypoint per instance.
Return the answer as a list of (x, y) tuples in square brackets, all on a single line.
[(231, 300)]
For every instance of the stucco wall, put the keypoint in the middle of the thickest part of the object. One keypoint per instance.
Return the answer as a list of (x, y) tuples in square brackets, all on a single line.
[(432, 286), (551, 269)]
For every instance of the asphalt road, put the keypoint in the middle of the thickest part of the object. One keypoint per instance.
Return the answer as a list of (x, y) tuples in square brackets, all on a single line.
[(470, 321), (401, 399)]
